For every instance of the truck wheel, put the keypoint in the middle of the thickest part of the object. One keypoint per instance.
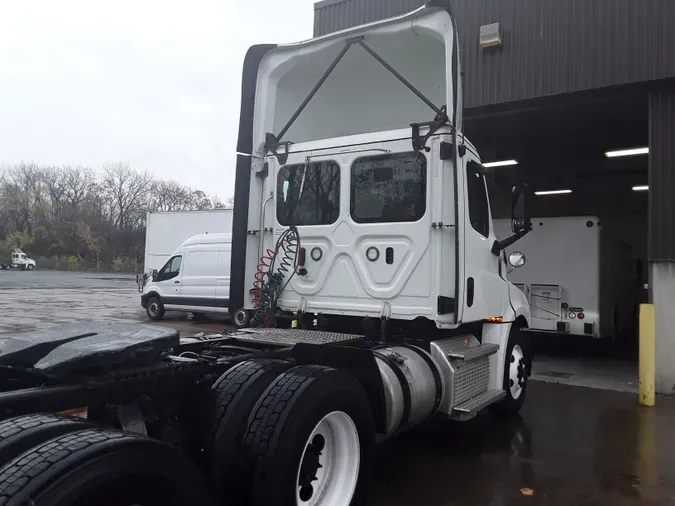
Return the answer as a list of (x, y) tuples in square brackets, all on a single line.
[(235, 394), (102, 467), (154, 308), (30, 267), (311, 435), (241, 318), (6, 267), (516, 375), (22, 433)]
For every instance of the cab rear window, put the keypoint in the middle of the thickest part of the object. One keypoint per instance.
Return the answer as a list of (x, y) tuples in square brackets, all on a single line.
[(308, 194), (389, 188)]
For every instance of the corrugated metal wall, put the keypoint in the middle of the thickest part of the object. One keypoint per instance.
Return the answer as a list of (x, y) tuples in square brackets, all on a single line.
[(550, 46), (662, 175)]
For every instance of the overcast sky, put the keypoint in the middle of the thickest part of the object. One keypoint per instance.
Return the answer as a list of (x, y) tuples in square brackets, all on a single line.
[(152, 82)]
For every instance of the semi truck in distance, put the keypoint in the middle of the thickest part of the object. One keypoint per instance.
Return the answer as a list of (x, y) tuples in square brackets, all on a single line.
[(579, 279), (361, 207), (19, 260)]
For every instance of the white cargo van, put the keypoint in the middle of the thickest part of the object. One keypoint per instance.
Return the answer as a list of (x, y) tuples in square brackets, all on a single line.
[(195, 279)]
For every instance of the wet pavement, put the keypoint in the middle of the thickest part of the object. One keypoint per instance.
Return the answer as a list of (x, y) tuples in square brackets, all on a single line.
[(572, 446), (39, 299)]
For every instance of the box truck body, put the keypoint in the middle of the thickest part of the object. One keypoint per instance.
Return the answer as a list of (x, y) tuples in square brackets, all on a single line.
[(166, 231), (578, 279)]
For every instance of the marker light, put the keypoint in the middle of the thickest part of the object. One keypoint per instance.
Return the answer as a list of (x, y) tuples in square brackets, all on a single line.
[(553, 192), (627, 152), (581, 316), (643, 188), (501, 163)]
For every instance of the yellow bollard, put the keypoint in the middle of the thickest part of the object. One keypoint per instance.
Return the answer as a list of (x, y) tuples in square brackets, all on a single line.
[(647, 355)]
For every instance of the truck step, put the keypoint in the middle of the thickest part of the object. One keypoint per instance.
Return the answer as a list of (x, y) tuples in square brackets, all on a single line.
[(471, 351), (475, 404), (290, 337)]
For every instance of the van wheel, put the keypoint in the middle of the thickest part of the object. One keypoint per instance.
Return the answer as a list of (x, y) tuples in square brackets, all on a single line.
[(155, 308), (516, 375), (241, 318), (103, 468)]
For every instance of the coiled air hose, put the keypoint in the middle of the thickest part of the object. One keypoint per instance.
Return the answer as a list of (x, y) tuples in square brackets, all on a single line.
[(274, 271)]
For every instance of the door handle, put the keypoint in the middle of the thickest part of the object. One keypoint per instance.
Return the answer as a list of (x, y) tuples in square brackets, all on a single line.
[(176, 282)]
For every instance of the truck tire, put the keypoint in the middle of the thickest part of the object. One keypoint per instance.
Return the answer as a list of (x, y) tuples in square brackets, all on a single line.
[(154, 308), (22, 433), (241, 318), (516, 375), (311, 438), (102, 467), (6, 267), (235, 393), (30, 267)]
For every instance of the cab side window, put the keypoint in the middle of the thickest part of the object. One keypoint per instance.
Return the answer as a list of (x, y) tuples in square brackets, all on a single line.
[(170, 269), (479, 210)]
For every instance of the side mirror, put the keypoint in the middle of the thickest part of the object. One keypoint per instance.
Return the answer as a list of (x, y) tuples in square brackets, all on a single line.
[(517, 259), (521, 223), (154, 274), (520, 209)]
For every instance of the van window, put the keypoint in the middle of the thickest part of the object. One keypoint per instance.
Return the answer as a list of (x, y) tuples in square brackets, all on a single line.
[(314, 201), (201, 263), (170, 269), (389, 188)]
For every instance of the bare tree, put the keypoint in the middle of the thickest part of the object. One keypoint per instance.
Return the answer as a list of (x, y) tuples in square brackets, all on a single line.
[(72, 211)]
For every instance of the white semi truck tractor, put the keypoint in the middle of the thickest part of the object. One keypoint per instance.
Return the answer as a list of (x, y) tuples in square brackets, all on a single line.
[(362, 214), (19, 261)]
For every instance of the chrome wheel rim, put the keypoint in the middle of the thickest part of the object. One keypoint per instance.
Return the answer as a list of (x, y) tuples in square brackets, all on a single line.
[(240, 317), (329, 467), (517, 372)]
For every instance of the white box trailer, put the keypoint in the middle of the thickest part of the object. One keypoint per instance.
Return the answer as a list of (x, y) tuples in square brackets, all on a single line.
[(578, 279), (166, 231)]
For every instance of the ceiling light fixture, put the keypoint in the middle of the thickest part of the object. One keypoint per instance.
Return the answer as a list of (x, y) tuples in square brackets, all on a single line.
[(627, 152), (553, 192), (502, 163), (643, 188)]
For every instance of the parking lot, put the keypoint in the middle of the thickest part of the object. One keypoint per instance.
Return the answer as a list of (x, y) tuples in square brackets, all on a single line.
[(572, 445), (39, 299)]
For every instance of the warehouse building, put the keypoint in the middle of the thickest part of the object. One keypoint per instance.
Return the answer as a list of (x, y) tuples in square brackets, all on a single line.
[(556, 85)]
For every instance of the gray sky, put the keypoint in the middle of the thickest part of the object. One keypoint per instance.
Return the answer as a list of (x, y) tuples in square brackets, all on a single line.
[(152, 82)]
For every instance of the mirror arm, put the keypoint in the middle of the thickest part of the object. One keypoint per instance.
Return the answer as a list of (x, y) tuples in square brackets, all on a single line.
[(499, 246)]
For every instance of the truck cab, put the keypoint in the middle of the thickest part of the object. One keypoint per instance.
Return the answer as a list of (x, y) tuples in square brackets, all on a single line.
[(20, 261), (387, 195)]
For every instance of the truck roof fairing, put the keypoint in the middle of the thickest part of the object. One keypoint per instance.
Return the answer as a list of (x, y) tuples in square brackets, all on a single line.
[(359, 93)]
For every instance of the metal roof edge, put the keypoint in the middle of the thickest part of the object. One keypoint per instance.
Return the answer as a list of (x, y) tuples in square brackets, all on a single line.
[(327, 3)]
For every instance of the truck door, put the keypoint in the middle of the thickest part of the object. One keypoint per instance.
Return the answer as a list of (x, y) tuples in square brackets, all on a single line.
[(483, 289)]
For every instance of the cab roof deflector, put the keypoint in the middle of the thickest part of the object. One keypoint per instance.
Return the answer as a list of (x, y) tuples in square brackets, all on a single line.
[(275, 145)]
